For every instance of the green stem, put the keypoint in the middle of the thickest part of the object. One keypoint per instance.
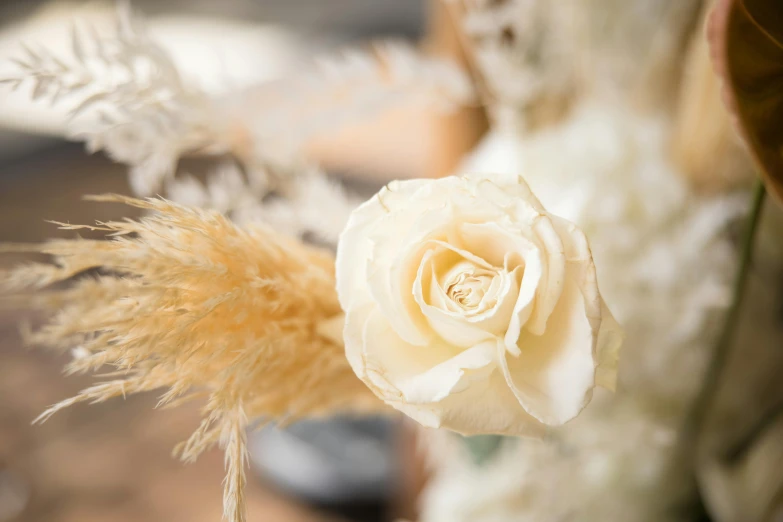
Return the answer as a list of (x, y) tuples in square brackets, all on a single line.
[(482, 448), (703, 402)]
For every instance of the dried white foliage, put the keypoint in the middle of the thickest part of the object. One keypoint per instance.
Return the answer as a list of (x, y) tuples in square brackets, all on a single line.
[(242, 340), (130, 100), (227, 189), (351, 86), (536, 57), (524, 51), (633, 49), (311, 206), (308, 205), (665, 264), (126, 98)]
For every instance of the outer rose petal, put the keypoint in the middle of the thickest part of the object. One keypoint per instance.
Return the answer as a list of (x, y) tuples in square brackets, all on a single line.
[(452, 376), (487, 406), (398, 373), (554, 375), (393, 264), (554, 269), (353, 337), (610, 338), (355, 245), (386, 358), (509, 185), (609, 335)]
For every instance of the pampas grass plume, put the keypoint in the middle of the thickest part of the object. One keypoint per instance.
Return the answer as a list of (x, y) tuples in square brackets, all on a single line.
[(186, 301)]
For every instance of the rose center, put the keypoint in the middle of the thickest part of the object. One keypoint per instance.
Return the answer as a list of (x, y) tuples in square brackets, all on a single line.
[(467, 285)]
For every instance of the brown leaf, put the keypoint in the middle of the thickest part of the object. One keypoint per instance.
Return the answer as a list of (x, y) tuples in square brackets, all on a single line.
[(746, 39)]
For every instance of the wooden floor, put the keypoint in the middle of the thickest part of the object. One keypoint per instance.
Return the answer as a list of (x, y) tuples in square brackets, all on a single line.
[(108, 462)]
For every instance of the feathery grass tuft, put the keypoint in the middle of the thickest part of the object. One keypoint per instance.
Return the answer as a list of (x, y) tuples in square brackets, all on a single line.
[(187, 301)]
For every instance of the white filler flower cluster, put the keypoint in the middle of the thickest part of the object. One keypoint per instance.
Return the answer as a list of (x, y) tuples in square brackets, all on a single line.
[(665, 264)]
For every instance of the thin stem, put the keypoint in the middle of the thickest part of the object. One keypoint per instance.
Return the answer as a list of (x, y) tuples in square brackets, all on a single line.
[(703, 402), (741, 447)]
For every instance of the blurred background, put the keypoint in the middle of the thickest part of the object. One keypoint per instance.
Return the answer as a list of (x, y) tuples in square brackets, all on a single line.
[(113, 461)]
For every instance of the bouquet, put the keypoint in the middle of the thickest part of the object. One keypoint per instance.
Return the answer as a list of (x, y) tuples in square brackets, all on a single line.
[(482, 304)]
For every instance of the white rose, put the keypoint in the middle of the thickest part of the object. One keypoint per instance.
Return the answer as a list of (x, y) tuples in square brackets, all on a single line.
[(469, 307)]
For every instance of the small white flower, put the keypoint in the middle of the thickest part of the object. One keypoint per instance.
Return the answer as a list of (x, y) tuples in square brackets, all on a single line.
[(470, 307)]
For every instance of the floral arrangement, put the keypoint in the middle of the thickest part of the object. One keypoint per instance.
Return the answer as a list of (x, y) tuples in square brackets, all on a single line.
[(477, 303)]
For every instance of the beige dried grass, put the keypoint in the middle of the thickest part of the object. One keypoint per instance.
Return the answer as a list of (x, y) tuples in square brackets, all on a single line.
[(187, 301)]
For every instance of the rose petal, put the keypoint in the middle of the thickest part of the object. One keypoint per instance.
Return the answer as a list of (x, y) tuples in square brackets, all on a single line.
[(493, 295), (388, 359), (492, 320), (553, 272), (503, 186), (487, 406), (555, 372), (400, 239), (393, 265), (452, 323), (353, 336), (437, 296), (542, 249), (554, 375), (450, 326), (497, 241), (610, 338), (452, 376), (496, 319), (462, 253), (493, 243), (355, 245)]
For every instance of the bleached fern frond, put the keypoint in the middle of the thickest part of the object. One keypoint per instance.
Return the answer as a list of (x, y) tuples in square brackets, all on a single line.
[(192, 304), (227, 189), (308, 205), (311, 206), (126, 97), (340, 90), (130, 100), (348, 87)]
